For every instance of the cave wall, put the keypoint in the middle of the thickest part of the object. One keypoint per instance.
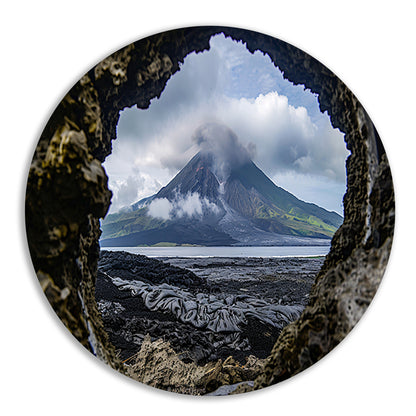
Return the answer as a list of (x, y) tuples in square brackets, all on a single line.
[(67, 194)]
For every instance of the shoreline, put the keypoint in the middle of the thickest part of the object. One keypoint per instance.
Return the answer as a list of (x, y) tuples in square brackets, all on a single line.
[(305, 256), (226, 252)]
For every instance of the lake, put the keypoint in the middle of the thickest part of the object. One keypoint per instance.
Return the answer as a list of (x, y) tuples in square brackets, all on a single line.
[(275, 251)]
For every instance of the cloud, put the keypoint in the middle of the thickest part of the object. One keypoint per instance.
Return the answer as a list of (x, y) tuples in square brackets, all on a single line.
[(222, 144), (285, 136), (190, 205), (130, 186), (276, 135), (160, 208), (124, 191)]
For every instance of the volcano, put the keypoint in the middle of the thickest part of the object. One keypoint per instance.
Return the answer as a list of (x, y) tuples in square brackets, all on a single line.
[(213, 203)]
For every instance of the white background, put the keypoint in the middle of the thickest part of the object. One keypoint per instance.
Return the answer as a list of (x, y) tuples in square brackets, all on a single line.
[(46, 48)]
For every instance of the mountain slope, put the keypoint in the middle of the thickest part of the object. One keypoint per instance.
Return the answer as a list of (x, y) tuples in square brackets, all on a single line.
[(250, 192), (195, 177), (252, 177)]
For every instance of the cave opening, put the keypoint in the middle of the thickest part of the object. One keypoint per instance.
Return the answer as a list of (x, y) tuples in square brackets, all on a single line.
[(238, 106)]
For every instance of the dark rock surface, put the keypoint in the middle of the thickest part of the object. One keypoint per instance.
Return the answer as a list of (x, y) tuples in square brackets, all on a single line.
[(287, 280), (203, 318), (67, 194)]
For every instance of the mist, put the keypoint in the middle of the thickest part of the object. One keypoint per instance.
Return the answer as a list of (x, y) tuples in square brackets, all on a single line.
[(223, 146), (189, 205)]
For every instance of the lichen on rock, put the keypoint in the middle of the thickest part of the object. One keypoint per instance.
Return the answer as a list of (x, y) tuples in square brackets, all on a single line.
[(158, 365)]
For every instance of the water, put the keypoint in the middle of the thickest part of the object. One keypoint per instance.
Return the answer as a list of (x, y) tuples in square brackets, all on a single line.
[(275, 251)]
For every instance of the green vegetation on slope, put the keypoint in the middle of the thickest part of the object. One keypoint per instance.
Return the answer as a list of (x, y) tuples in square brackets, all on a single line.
[(294, 222), (124, 223), (252, 177), (277, 210)]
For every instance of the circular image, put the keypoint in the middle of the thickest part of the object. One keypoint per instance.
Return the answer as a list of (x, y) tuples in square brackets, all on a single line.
[(209, 210)]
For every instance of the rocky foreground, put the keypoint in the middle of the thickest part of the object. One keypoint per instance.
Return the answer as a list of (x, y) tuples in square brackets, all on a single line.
[(192, 325)]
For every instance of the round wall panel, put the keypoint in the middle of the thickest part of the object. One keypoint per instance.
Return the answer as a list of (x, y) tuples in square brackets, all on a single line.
[(209, 210)]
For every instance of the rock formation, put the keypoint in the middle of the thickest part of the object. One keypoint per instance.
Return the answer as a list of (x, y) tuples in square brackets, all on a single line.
[(67, 194), (156, 364)]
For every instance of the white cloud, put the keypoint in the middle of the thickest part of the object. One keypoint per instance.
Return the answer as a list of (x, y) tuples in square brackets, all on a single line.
[(223, 144), (190, 205), (160, 208), (285, 136), (125, 190), (130, 186)]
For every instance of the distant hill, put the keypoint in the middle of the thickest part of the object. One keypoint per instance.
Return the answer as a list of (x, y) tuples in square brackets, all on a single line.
[(199, 206)]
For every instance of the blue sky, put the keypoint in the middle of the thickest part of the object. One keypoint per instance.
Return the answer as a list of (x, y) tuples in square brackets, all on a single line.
[(255, 74), (288, 137)]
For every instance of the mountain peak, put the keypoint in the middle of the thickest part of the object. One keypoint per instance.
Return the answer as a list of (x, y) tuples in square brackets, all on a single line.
[(212, 201), (195, 177), (220, 145)]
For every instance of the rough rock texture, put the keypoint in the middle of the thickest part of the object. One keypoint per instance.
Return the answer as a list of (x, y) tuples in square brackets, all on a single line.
[(67, 193), (158, 365), (210, 320)]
